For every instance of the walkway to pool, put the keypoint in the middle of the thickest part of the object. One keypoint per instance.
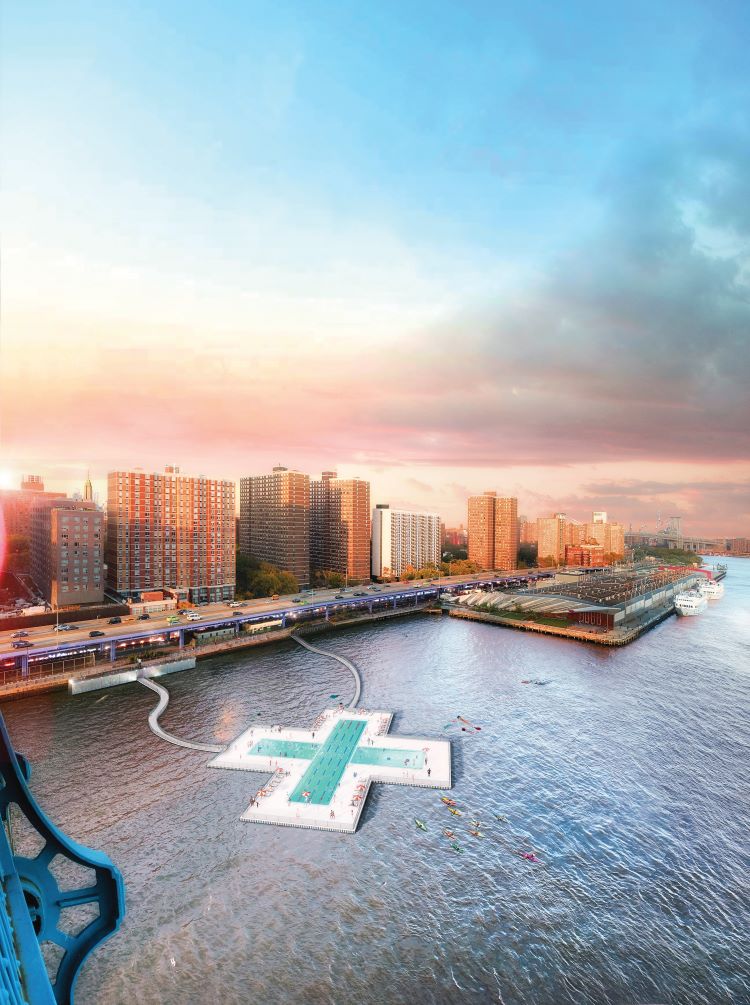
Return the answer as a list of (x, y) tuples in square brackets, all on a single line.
[(340, 659), (319, 778)]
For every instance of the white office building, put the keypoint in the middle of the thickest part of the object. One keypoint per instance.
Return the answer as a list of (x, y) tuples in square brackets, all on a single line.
[(401, 539)]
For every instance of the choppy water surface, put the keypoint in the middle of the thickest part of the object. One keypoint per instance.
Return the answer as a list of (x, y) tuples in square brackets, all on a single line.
[(627, 774)]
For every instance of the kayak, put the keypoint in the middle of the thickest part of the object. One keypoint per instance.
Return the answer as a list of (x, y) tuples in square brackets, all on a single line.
[(447, 801), (455, 812), (457, 847), (528, 855), (475, 823), (421, 824), (501, 818), (448, 834), (476, 834)]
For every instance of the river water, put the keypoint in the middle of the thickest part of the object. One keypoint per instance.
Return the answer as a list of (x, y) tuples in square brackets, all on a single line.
[(627, 774)]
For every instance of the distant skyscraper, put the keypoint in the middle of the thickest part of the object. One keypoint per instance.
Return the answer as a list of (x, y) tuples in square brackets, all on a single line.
[(493, 531), (527, 531), (599, 516), (341, 522), (401, 539), (88, 489), (611, 536), (170, 531), (275, 520), (67, 551)]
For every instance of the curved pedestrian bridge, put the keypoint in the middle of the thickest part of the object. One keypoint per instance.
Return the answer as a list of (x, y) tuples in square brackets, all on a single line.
[(319, 778)]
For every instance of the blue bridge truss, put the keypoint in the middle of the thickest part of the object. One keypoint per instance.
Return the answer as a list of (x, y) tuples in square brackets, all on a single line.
[(36, 913)]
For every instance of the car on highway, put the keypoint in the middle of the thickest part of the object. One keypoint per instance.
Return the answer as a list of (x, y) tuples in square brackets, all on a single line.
[(115, 621), (339, 596), (96, 634), (194, 617), (359, 593), (144, 617), (20, 635), (233, 603), (173, 619), (21, 644), (298, 600), (62, 628)]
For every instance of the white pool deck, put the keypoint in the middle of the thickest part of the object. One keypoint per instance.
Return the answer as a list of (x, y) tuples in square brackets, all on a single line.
[(272, 805)]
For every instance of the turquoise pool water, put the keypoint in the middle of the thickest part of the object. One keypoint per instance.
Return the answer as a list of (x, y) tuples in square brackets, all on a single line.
[(285, 748), (382, 757), (329, 763), (385, 758)]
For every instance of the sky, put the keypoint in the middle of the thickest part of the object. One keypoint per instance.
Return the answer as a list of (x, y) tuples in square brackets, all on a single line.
[(445, 246)]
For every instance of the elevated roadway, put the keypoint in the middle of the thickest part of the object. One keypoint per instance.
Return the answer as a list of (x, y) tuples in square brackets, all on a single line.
[(48, 646)]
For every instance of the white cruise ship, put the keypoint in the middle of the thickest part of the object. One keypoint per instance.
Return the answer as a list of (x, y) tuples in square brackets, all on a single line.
[(711, 589), (690, 603)]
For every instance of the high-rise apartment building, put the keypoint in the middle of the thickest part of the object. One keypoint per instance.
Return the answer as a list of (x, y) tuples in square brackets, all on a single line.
[(481, 530), (506, 533), (599, 516), (170, 531), (16, 504), (401, 539), (320, 515), (341, 522), (275, 520), (551, 538), (493, 531), (67, 551)]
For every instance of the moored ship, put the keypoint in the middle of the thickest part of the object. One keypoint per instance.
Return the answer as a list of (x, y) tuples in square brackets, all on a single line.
[(691, 603), (711, 589)]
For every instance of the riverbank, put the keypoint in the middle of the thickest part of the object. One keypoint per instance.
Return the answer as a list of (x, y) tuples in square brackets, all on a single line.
[(59, 682)]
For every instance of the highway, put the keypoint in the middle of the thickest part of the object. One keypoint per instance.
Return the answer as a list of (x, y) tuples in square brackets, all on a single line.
[(44, 638)]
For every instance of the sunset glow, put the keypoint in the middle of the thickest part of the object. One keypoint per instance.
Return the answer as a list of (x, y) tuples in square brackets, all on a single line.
[(255, 261)]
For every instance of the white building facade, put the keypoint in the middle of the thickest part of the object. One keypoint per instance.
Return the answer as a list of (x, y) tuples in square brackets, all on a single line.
[(401, 539)]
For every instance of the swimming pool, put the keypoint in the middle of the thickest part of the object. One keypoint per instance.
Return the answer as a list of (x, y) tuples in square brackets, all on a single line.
[(382, 757), (329, 763)]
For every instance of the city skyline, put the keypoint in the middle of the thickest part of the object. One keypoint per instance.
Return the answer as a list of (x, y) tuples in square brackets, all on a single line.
[(531, 505), (438, 253)]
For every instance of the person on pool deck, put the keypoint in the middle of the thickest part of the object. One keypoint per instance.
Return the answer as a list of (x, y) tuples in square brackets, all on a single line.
[(332, 815)]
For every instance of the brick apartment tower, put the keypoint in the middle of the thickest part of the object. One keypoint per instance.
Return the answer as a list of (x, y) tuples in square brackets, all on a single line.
[(341, 522), (493, 531), (275, 520), (506, 533), (171, 531), (67, 546), (16, 504), (551, 533)]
